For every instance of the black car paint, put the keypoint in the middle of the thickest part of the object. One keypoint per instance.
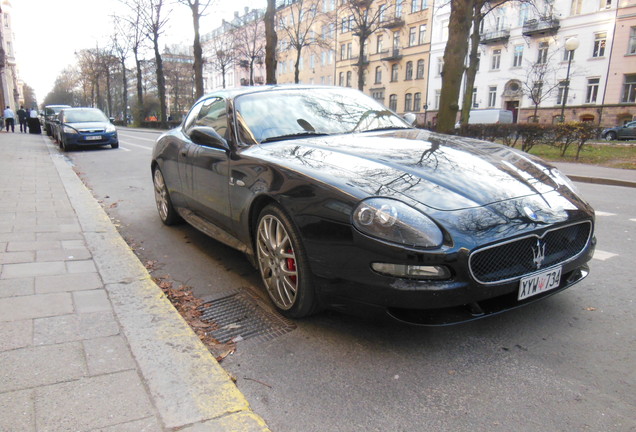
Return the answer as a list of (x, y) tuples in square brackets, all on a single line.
[(319, 181)]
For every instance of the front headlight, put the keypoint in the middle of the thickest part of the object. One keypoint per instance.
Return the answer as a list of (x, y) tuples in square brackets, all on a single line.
[(111, 128), (69, 130), (396, 222)]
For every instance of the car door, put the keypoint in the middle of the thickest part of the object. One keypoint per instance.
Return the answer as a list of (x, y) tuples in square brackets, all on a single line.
[(629, 131), (210, 166)]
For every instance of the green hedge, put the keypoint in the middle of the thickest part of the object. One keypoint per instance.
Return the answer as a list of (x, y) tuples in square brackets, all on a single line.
[(527, 135)]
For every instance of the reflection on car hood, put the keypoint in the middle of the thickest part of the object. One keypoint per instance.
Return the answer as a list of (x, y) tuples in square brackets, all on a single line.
[(87, 125), (439, 171)]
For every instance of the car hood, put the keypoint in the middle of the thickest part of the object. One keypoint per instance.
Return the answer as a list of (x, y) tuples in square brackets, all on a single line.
[(88, 125), (439, 171)]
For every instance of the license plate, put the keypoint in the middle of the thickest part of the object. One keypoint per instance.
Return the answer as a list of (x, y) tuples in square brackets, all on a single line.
[(93, 138), (539, 283)]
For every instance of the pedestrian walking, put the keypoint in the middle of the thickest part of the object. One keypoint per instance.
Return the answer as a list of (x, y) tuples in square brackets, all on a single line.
[(22, 118), (34, 122), (9, 119)]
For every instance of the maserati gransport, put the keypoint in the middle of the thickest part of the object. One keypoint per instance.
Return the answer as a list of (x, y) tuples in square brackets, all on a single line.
[(342, 204)]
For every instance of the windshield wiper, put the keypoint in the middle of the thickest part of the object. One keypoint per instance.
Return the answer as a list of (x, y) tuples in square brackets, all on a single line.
[(294, 135)]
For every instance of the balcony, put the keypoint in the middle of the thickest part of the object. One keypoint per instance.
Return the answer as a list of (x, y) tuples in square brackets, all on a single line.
[(541, 27), (355, 61), (392, 22), (495, 36), (394, 55)]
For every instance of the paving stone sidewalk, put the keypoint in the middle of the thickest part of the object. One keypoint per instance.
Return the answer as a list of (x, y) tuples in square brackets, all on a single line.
[(87, 341)]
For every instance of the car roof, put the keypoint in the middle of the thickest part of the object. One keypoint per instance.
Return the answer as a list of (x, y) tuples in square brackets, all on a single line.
[(234, 92)]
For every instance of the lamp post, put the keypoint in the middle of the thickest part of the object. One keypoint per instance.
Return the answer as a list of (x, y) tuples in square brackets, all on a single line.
[(570, 45)]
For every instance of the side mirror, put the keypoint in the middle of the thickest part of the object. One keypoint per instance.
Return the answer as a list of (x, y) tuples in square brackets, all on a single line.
[(207, 136), (410, 118)]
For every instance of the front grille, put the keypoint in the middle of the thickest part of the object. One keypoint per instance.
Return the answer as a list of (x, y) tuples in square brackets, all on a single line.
[(507, 261)]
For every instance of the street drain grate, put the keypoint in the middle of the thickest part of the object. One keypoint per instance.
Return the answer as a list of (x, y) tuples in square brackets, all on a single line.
[(240, 317)]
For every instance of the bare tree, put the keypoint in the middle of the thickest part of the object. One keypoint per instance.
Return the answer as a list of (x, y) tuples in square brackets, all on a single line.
[(541, 77), (249, 35), (461, 19), (271, 40), (198, 8), (297, 28), (223, 54), (179, 81), (133, 31), (121, 47), (364, 21)]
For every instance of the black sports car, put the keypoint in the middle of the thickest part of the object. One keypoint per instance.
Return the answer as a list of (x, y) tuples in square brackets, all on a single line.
[(339, 202)]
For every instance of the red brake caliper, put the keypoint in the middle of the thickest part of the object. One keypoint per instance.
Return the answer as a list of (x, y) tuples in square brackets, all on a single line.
[(291, 265)]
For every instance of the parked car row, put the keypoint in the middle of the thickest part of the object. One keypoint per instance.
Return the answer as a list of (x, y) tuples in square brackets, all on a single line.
[(76, 127)]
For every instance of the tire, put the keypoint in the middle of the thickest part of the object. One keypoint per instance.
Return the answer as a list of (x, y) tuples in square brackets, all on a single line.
[(610, 136), (283, 264), (167, 213), (116, 145)]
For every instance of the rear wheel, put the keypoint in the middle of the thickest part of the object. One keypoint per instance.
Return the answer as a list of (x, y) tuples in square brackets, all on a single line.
[(283, 264), (610, 136), (167, 213)]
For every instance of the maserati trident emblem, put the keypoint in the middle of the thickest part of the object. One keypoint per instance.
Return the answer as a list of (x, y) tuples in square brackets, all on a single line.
[(539, 254)]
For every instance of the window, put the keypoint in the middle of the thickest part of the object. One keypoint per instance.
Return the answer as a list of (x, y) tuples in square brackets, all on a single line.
[(542, 58), (474, 99), (412, 36), (213, 114), (348, 78), (419, 74), (341, 81), (599, 44), (438, 96), (394, 72), (575, 7), (523, 14), (629, 88), (417, 101), (517, 56), (415, 6), (396, 41), (345, 25), (408, 102), (440, 65), (382, 12), (312, 61), (343, 51), (537, 92), (492, 96), (378, 95), (379, 44), (631, 48), (421, 38), (393, 102), (409, 70), (592, 90), (378, 75), (560, 93), (349, 50), (496, 59), (398, 8)]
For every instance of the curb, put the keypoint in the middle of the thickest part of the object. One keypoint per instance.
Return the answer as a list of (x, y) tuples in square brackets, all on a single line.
[(602, 181), (187, 385)]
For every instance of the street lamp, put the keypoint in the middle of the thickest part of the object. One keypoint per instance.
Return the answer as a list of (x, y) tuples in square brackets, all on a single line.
[(570, 45)]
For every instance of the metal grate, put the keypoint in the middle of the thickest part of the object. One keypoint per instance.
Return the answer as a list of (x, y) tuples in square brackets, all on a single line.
[(515, 258), (240, 317)]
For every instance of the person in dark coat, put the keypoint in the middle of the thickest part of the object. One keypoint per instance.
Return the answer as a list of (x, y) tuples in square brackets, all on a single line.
[(22, 118), (34, 122)]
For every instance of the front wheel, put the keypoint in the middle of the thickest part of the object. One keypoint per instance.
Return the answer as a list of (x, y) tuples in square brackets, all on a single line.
[(610, 136), (167, 213), (283, 264)]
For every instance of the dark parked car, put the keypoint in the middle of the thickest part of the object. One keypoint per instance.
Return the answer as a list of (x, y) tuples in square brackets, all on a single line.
[(84, 127), (339, 202), (628, 131), (49, 116)]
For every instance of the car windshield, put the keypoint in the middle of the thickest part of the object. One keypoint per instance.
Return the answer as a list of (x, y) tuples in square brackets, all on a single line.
[(82, 116), (280, 114)]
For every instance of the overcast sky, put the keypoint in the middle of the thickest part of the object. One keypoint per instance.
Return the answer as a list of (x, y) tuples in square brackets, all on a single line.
[(49, 32)]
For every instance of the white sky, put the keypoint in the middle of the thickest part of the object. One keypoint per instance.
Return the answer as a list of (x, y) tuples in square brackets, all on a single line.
[(49, 32)]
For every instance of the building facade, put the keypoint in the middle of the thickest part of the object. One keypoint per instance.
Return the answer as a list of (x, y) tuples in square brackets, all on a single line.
[(9, 89)]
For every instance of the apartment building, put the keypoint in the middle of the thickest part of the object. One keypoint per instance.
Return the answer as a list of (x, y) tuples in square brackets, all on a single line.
[(9, 89)]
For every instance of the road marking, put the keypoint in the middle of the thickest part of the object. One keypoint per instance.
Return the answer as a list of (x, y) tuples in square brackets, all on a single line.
[(139, 146), (633, 220), (602, 213), (603, 256), (137, 137), (124, 149)]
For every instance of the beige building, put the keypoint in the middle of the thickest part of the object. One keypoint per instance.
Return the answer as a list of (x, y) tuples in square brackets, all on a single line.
[(9, 90)]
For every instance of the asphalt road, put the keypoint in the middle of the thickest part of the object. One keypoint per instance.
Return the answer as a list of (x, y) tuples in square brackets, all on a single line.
[(564, 364)]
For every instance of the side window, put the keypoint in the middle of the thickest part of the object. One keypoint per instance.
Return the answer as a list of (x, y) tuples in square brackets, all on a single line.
[(192, 115), (213, 114)]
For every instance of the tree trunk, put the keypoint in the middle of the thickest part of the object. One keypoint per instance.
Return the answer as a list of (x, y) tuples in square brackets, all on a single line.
[(361, 67), (454, 57), (271, 40), (161, 84), (124, 93), (198, 52), (473, 64), (296, 66), (138, 114)]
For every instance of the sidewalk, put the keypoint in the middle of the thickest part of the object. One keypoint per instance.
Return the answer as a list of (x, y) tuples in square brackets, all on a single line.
[(87, 341)]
